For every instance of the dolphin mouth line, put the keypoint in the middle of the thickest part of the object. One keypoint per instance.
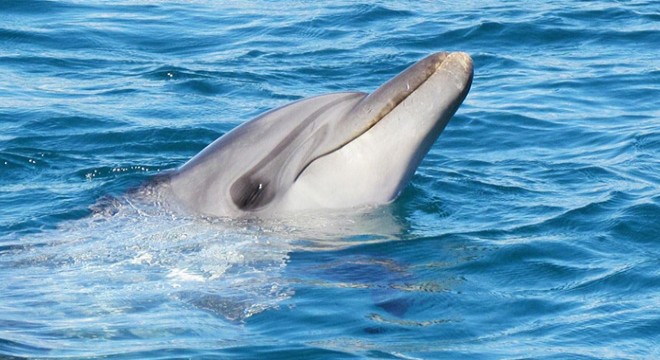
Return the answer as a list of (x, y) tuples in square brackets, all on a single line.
[(428, 66)]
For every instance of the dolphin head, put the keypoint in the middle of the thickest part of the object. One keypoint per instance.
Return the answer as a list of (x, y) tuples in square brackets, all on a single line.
[(327, 152)]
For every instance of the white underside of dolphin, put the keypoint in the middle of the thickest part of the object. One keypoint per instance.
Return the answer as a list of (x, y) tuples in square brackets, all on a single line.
[(333, 151)]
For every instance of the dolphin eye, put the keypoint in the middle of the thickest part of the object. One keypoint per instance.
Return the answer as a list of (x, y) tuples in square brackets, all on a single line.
[(250, 193)]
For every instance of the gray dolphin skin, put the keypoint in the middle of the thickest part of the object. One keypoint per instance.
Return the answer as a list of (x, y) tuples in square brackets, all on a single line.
[(334, 151)]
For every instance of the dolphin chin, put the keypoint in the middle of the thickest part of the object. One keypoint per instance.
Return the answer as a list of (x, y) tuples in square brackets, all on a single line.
[(332, 151)]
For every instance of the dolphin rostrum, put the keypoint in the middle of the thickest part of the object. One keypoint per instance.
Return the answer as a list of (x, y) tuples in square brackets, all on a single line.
[(331, 151)]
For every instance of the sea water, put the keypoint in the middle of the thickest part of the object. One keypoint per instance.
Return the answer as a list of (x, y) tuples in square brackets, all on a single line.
[(531, 229)]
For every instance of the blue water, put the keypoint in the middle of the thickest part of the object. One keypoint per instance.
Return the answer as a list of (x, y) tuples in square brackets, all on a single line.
[(531, 229)]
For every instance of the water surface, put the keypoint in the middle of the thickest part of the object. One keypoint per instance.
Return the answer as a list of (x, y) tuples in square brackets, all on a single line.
[(529, 231)]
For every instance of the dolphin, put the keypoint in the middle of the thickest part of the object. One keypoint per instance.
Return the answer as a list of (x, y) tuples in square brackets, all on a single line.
[(334, 151)]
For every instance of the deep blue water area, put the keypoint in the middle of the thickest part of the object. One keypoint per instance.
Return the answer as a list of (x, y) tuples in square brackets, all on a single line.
[(530, 230)]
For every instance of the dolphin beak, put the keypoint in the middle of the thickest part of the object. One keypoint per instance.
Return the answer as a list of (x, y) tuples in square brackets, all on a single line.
[(457, 65), (459, 68), (456, 73)]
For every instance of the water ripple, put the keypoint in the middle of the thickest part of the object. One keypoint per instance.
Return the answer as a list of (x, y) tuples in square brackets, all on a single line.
[(530, 228)]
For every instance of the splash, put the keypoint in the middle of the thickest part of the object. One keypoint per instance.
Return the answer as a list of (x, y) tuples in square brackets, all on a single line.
[(132, 253)]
